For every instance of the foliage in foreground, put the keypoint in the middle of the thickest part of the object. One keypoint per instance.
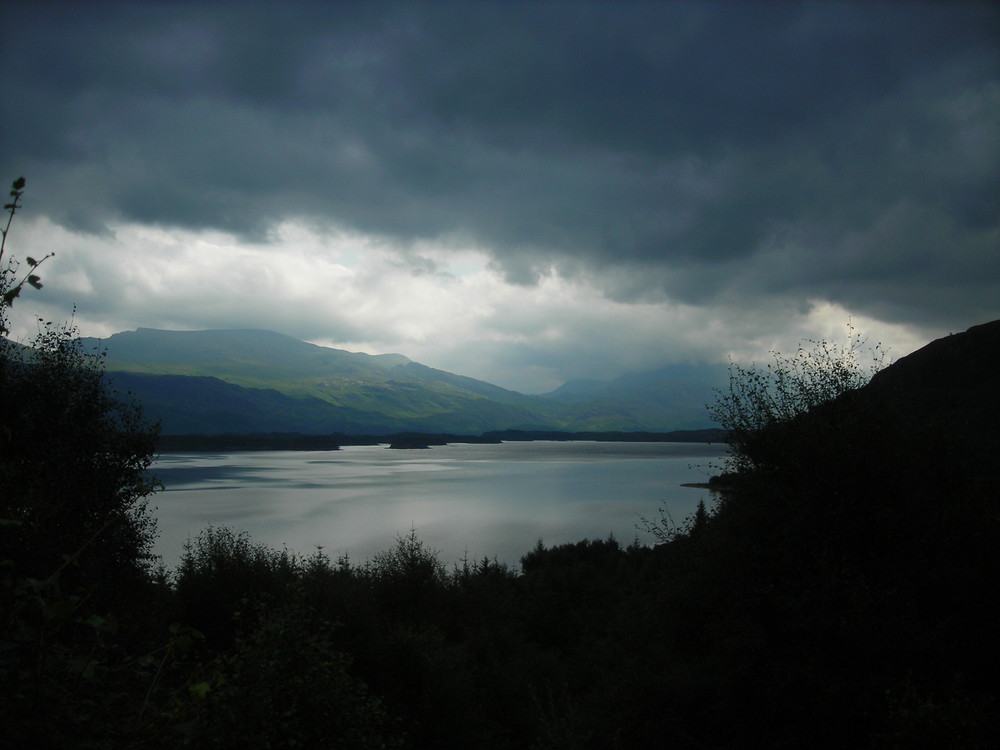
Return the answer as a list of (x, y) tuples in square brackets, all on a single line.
[(78, 646), (761, 401), (73, 456)]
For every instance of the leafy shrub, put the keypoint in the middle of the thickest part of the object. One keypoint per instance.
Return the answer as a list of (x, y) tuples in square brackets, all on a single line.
[(759, 402), (73, 456), (77, 665), (10, 285)]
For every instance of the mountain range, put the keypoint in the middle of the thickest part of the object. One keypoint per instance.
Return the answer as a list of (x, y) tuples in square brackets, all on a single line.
[(252, 381)]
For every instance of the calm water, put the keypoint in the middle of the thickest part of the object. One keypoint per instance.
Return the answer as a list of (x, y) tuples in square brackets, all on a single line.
[(486, 500)]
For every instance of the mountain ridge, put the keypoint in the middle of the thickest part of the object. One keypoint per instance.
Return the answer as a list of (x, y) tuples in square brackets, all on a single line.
[(290, 385)]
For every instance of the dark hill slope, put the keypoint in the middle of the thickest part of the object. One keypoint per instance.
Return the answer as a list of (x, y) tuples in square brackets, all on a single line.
[(926, 424), (945, 398), (846, 596)]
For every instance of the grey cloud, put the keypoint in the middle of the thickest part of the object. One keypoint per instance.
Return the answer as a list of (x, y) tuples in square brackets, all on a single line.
[(675, 148)]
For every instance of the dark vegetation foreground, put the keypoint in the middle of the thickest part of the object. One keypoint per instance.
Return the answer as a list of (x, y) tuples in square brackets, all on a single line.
[(840, 595)]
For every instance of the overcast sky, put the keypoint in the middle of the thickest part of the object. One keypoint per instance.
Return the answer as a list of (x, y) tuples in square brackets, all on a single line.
[(519, 192)]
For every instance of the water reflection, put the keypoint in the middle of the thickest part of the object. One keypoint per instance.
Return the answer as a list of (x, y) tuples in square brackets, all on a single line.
[(484, 500)]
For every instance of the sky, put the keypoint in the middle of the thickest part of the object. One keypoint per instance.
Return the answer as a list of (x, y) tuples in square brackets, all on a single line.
[(520, 192)]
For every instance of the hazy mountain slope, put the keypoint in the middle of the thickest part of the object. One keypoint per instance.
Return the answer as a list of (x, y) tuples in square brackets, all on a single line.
[(577, 389), (676, 395)]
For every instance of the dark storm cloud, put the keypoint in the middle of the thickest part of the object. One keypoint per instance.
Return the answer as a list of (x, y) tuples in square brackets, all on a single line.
[(707, 151)]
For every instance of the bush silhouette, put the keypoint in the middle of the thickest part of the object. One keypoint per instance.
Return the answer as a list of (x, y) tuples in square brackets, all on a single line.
[(73, 456), (78, 594)]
